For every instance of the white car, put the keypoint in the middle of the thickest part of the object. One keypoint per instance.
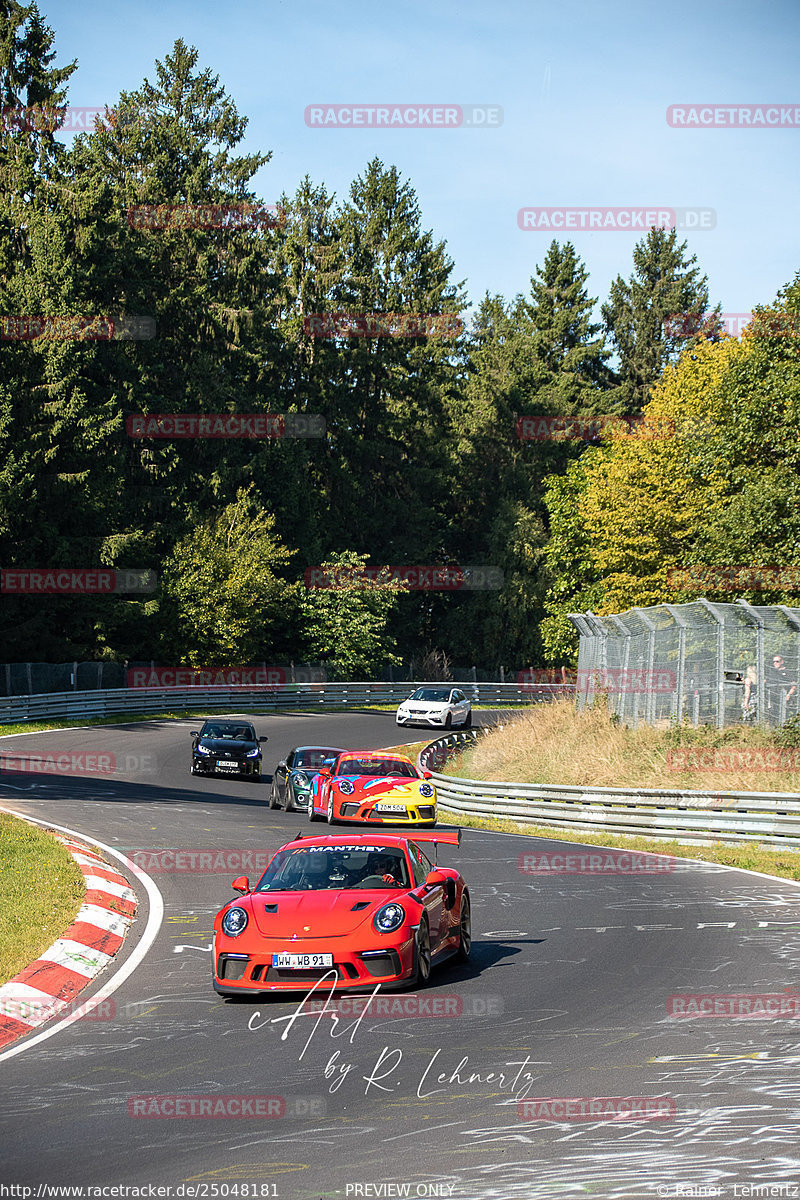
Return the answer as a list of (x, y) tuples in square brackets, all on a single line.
[(436, 706)]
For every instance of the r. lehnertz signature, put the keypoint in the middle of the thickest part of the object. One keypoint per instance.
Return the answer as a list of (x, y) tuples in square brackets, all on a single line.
[(383, 1076)]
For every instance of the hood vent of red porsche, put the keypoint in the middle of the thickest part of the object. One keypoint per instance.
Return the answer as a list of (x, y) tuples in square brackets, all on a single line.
[(361, 904)]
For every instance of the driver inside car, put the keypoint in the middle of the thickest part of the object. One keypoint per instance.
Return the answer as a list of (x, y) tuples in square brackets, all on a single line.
[(384, 865)]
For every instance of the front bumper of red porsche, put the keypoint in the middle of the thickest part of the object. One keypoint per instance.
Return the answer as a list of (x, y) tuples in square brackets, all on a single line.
[(249, 968)]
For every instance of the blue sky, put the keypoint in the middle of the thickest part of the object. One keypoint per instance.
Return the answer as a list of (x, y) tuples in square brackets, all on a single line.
[(584, 86)]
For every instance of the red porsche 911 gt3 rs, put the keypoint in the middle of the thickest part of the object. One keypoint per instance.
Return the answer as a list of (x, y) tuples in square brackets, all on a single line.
[(350, 910), (374, 786)]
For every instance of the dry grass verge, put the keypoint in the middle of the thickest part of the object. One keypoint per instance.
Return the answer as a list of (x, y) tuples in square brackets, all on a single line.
[(553, 743)]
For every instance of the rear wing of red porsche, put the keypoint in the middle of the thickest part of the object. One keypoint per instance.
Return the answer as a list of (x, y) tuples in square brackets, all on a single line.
[(449, 837)]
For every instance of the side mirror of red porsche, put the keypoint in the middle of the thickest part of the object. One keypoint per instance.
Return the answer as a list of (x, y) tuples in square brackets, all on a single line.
[(435, 879), (324, 773), (241, 884)]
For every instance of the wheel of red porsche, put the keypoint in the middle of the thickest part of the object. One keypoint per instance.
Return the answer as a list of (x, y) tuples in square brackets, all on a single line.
[(465, 931), (331, 818), (422, 955), (312, 816)]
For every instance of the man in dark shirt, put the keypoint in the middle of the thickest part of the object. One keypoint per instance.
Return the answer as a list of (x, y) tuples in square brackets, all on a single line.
[(779, 686)]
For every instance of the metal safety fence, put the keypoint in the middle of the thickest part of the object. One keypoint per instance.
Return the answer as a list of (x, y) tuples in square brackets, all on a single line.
[(767, 818), (708, 663), (109, 702), (37, 678)]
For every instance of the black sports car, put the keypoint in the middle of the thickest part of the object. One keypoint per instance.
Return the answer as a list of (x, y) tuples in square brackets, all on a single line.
[(294, 775), (227, 748)]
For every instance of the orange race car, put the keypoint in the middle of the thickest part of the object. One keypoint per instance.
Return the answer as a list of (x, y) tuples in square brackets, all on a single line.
[(345, 911), (374, 786)]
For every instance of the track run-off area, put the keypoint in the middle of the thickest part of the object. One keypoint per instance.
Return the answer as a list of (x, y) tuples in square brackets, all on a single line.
[(479, 1087)]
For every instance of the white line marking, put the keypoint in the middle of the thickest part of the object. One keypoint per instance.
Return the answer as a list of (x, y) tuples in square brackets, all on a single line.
[(154, 918)]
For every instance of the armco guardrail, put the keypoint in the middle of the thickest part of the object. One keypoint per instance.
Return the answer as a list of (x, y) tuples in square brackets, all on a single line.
[(768, 818), (101, 703)]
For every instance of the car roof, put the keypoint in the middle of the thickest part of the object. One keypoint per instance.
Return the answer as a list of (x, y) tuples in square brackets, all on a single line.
[(314, 746)]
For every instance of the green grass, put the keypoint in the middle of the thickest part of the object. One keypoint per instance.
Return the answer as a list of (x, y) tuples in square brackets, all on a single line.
[(41, 890)]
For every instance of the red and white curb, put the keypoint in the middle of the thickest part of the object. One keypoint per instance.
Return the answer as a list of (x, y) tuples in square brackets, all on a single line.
[(50, 984)]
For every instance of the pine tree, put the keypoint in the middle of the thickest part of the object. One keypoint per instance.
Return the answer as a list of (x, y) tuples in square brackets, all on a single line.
[(647, 316), (573, 376), (387, 465)]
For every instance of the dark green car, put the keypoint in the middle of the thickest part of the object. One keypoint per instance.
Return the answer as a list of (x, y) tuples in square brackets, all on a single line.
[(293, 776)]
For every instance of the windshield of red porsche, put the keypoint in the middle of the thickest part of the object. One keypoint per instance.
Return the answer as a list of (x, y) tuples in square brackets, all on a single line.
[(334, 868)]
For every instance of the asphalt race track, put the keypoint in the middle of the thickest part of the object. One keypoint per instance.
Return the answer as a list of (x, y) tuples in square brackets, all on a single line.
[(566, 996)]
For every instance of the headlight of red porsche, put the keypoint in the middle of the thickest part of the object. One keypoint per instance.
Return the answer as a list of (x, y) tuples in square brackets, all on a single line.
[(389, 918), (234, 922)]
